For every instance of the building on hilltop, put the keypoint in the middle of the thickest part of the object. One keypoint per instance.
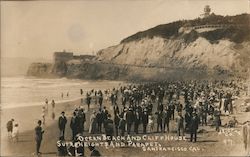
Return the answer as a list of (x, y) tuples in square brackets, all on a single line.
[(63, 56), (69, 56)]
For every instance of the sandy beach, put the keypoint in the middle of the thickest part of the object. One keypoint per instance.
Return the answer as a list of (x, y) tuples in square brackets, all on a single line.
[(27, 118)]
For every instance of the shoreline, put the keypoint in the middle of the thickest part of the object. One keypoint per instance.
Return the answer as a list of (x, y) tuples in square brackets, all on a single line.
[(37, 104)]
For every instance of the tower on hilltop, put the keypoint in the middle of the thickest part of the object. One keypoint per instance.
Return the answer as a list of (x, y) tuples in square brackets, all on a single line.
[(207, 11)]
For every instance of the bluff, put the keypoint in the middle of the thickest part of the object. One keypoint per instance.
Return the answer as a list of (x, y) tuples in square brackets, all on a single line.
[(215, 46)]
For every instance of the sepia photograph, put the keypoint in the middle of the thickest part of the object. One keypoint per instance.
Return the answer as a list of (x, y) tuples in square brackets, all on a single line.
[(125, 78)]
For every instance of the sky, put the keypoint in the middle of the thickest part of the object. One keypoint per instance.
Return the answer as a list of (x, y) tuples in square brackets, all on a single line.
[(36, 29)]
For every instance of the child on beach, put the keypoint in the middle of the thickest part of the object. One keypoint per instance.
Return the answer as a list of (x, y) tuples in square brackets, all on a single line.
[(151, 123), (53, 104), (43, 114), (15, 133), (10, 128)]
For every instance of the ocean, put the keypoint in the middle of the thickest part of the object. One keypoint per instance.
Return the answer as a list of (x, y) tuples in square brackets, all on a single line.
[(26, 91)]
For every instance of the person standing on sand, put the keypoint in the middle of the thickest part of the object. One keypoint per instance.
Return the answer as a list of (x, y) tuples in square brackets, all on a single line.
[(180, 124), (92, 124), (109, 127), (15, 133), (81, 91), (10, 127), (100, 98), (43, 114), (53, 107), (62, 123), (217, 119), (38, 136), (194, 124), (116, 122), (144, 120), (88, 100), (122, 126), (246, 137), (53, 104), (47, 105), (73, 125), (81, 119)]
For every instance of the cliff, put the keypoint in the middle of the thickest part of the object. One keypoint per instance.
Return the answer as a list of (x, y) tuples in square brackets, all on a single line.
[(41, 70), (216, 47)]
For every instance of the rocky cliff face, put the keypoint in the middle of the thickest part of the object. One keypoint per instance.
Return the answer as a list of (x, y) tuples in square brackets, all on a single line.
[(177, 53), (170, 51), (40, 70)]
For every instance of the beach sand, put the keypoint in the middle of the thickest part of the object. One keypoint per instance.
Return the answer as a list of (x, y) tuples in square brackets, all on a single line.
[(209, 144)]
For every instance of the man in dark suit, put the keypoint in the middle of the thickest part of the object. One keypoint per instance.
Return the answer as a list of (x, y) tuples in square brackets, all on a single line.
[(122, 126), (159, 120), (194, 124), (144, 119), (116, 109), (137, 119), (99, 119), (73, 126), (116, 122), (166, 119), (109, 127), (82, 118), (62, 123), (172, 108), (38, 136), (129, 120)]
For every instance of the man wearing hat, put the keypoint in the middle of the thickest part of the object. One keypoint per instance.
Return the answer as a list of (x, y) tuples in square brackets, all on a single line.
[(38, 136), (194, 124), (217, 119), (144, 119), (109, 127), (129, 119), (62, 123)]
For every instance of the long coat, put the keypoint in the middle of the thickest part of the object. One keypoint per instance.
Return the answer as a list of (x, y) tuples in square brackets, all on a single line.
[(194, 123), (144, 118), (38, 133), (129, 117), (62, 122)]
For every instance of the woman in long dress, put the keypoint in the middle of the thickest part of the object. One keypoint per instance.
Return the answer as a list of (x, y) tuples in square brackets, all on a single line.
[(92, 124), (246, 137)]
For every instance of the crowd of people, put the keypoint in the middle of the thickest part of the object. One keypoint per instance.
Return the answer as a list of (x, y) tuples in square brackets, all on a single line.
[(193, 102), (151, 108), (188, 105)]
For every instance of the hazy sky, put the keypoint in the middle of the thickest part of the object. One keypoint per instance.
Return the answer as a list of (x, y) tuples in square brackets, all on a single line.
[(35, 29)]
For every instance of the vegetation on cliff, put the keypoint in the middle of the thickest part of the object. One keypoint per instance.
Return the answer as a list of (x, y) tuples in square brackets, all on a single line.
[(233, 33)]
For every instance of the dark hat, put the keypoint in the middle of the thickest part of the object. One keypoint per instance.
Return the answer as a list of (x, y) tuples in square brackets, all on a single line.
[(63, 112)]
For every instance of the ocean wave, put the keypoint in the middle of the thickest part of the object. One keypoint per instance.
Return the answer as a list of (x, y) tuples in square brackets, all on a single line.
[(27, 104)]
